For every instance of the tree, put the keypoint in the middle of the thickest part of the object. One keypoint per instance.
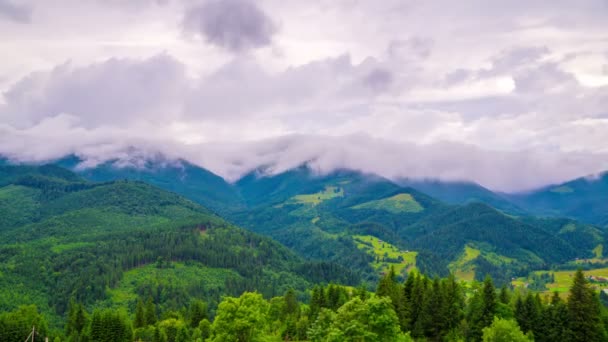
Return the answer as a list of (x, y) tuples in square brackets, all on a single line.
[(17, 325), (503, 330), (150, 312), (240, 319), (76, 320), (198, 312), (140, 317), (584, 311), (554, 321), (109, 325), (291, 307), (482, 309)]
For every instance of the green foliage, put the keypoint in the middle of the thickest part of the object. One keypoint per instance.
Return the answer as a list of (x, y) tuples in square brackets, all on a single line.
[(240, 319), (503, 330), (17, 325)]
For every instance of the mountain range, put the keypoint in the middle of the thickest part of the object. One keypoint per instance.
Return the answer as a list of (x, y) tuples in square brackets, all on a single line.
[(162, 225)]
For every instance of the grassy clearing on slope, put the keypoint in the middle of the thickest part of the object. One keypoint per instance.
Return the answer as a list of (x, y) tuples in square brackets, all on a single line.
[(563, 279), (401, 203), (562, 189), (462, 267), (386, 255), (314, 199), (598, 251)]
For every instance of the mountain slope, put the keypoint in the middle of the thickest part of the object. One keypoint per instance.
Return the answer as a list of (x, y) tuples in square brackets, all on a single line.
[(584, 199), (461, 193), (79, 239), (503, 245), (186, 179)]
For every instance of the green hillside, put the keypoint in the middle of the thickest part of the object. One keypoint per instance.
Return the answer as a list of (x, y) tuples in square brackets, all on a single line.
[(179, 176), (584, 199), (317, 216), (453, 192), (104, 244)]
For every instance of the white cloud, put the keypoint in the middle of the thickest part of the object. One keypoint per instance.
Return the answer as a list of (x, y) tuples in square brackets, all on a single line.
[(510, 95)]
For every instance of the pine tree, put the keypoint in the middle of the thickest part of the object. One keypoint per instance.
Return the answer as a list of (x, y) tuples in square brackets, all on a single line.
[(489, 302), (453, 305), (504, 295), (198, 312), (553, 322), (150, 312), (140, 319), (482, 309), (584, 312), (292, 307)]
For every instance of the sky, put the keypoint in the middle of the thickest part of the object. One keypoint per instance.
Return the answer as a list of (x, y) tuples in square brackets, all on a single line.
[(512, 95)]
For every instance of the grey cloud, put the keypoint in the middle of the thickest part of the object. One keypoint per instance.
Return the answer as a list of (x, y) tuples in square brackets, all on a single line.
[(14, 11), (378, 79), (116, 91), (235, 25), (412, 48)]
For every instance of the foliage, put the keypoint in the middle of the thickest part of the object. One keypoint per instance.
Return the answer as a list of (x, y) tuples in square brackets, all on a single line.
[(503, 330)]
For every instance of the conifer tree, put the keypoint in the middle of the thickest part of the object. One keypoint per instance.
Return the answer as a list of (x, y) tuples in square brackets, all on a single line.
[(584, 312), (150, 312), (198, 312), (140, 317)]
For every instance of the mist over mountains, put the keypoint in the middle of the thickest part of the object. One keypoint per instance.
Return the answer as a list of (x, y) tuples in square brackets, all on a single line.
[(452, 162)]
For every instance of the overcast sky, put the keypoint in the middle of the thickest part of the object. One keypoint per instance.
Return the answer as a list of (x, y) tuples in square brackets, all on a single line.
[(510, 94)]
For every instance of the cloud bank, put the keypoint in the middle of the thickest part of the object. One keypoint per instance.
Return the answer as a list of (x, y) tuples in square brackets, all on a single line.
[(512, 97)]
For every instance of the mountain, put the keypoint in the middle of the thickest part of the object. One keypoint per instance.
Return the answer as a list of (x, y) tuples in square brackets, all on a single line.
[(179, 176), (461, 193), (584, 199), (107, 243), (336, 217), (481, 240)]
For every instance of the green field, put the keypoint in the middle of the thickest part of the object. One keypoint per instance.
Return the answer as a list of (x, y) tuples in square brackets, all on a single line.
[(401, 203), (314, 199), (564, 189), (380, 250), (563, 279), (462, 267)]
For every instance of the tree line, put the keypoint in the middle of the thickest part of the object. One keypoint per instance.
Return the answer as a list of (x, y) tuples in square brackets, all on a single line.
[(418, 309)]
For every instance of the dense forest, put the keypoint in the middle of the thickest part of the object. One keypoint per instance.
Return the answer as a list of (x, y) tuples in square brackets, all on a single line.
[(417, 309), (122, 260)]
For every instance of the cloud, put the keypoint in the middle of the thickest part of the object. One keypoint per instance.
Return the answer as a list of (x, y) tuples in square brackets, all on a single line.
[(14, 11), (115, 91), (235, 25), (498, 170), (515, 87)]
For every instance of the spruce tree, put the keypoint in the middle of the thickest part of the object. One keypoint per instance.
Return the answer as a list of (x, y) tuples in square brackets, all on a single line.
[(198, 312), (150, 312), (584, 312), (140, 317)]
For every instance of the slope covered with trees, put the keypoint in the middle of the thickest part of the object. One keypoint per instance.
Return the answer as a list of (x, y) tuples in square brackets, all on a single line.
[(63, 237)]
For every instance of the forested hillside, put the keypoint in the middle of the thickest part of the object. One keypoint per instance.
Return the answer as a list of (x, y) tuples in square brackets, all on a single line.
[(318, 216), (104, 244), (584, 199)]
